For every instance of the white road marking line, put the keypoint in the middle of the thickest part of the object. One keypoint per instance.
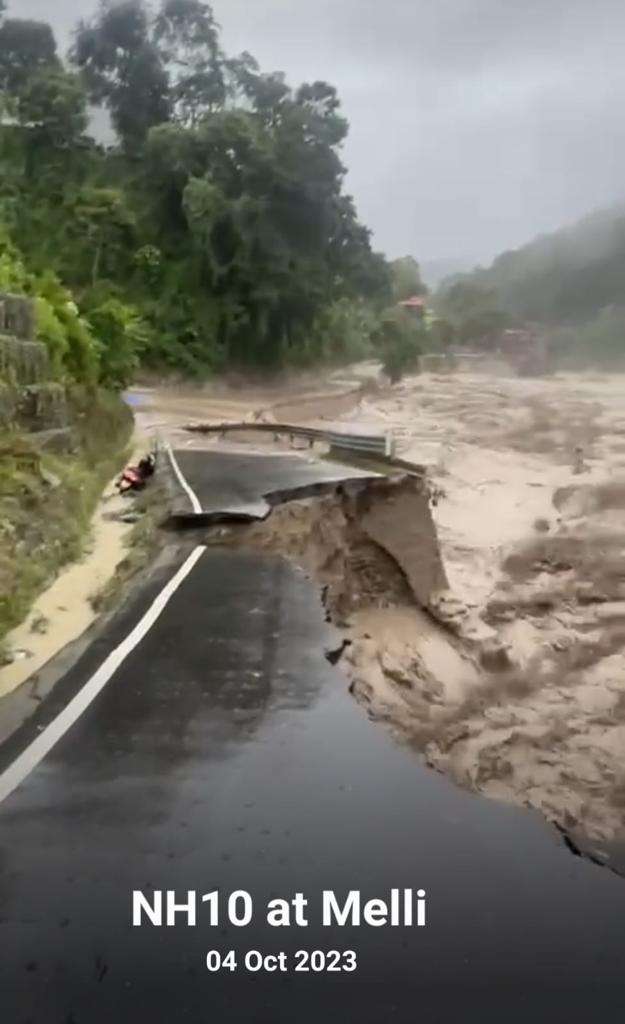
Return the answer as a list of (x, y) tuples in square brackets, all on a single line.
[(195, 503), (15, 774)]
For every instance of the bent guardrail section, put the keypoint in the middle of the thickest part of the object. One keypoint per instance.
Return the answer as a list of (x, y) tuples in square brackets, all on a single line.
[(372, 444)]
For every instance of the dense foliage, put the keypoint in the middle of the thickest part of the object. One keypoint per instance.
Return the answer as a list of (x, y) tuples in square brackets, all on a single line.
[(406, 279), (470, 312), (565, 277), (400, 340), (215, 229), (72, 347), (571, 282)]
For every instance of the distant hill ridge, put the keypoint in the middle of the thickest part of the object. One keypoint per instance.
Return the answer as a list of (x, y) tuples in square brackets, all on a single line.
[(567, 276), (434, 272)]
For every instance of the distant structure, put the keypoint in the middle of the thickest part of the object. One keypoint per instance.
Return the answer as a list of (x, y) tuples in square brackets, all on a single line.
[(525, 349), (415, 306), (17, 317)]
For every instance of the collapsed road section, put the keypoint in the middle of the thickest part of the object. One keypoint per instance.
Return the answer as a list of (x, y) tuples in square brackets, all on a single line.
[(218, 486), (389, 513), (415, 655), (204, 743)]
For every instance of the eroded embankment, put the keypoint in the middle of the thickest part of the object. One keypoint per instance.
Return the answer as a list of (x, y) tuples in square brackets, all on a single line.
[(366, 544), (410, 651), (543, 730)]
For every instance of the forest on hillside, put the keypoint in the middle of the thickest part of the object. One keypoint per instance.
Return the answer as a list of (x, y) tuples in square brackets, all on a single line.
[(214, 231), (571, 283)]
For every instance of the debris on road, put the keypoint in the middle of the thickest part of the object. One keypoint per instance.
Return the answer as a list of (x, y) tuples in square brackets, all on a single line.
[(135, 478)]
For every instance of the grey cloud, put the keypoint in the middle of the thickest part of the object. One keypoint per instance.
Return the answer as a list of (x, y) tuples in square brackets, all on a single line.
[(474, 123)]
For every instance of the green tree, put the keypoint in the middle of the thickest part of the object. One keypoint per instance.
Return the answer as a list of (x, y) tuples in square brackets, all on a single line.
[(219, 216), (187, 37), (52, 105), (564, 278), (356, 270), (399, 342), (259, 192), (123, 69), (210, 217), (56, 304), (103, 226), (473, 311), (247, 85), (26, 47), (122, 335), (406, 279)]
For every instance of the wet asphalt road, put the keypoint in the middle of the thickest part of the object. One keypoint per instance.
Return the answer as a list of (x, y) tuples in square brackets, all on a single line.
[(229, 483), (226, 753)]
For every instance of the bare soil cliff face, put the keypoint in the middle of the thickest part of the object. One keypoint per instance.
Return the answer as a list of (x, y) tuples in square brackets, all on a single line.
[(367, 546)]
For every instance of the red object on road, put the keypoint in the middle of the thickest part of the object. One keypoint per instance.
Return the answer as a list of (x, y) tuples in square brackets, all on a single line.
[(134, 478)]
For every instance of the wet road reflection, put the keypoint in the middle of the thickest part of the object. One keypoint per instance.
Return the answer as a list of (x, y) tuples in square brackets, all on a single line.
[(226, 754)]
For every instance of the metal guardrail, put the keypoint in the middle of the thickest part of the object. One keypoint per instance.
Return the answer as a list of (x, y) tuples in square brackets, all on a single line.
[(372, 444)]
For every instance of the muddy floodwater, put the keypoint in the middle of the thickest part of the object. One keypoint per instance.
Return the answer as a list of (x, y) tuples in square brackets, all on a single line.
[(513, 681), (505, 672)]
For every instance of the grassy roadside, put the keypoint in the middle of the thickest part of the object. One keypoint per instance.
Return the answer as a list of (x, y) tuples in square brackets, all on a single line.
[(47, 501)]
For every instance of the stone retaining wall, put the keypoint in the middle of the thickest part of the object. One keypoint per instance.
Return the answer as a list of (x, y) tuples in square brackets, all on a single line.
[(17, 316), (29, 399), (23, 362)]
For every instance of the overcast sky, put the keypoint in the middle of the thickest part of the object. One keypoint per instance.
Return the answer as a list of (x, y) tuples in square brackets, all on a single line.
[(475, 124)]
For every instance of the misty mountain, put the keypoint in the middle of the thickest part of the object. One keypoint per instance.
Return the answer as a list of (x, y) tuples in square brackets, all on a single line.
[(434, 272), (565, 277)]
